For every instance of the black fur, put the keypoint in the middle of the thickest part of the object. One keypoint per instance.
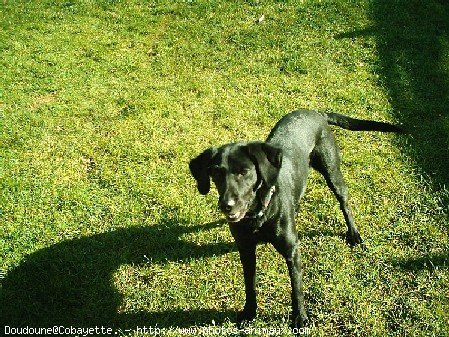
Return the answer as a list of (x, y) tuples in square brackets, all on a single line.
[(260, 183)]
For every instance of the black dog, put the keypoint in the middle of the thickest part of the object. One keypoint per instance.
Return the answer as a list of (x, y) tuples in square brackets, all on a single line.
[(260, 184)]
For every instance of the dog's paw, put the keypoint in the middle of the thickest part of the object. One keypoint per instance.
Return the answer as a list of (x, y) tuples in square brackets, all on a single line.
[(299, 321), (353, 238), (244, 317)]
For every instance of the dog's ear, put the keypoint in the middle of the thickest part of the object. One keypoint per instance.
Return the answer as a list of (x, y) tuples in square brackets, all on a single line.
[(199, 168), (268, 160)]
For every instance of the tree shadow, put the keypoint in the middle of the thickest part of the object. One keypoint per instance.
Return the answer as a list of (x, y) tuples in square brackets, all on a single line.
[(412, 39), (70, 283)]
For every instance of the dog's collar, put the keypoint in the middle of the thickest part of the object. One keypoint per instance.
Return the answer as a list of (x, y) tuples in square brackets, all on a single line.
[(265, 201)]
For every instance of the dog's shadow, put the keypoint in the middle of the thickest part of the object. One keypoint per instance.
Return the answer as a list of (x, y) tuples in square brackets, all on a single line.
[(70, 283)]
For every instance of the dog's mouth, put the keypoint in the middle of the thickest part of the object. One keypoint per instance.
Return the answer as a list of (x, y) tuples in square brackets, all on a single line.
[(238, 212), (236, 216)]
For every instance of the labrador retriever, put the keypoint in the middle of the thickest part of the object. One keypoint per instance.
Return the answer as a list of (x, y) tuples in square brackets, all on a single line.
[(260, 184)]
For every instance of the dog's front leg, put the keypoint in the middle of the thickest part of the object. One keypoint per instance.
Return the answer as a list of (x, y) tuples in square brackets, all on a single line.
[(248, 259), (287, 245), (247, 250), (295, 270)]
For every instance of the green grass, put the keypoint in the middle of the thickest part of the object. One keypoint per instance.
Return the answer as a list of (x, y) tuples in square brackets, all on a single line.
[(103, 104)]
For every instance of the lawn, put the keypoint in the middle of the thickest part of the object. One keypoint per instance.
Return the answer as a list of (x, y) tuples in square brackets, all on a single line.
[(103, 104)]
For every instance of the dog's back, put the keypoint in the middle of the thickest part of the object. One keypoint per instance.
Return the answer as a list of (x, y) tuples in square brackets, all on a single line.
[(297, 131), (297, 134)]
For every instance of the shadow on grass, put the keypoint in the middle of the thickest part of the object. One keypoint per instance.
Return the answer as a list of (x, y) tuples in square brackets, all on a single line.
[(413, 44), (428, 262), (412, 39), (70, 283)]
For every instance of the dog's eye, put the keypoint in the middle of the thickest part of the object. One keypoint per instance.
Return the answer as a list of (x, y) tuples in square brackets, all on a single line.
[(244, 172)]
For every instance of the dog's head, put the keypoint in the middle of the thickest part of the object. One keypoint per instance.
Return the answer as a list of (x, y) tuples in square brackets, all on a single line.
[(238, 171)]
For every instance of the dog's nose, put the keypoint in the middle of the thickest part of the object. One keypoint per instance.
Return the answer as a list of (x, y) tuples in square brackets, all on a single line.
[(227, 204)]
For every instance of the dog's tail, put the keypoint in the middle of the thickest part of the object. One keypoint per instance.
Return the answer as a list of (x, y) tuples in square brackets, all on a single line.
[(353, 124)]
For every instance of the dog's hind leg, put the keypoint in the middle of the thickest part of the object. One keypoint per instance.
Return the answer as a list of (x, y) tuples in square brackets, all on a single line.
[(326, 160)]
